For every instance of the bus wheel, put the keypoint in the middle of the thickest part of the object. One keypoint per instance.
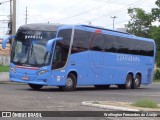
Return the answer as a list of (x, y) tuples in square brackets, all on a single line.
[(102, 86), (128, 83), (136, 82), (70, 83), (35, 87)]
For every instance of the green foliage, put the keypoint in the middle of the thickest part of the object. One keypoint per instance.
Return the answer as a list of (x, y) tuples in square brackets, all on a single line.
[(140, 22), (157, 75), (141, 25), (156, 11), (158, 59), (155, 34), (146, 104), (4, 68)]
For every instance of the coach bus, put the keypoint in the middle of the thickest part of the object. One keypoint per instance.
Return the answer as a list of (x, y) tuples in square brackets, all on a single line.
[(82, 55)]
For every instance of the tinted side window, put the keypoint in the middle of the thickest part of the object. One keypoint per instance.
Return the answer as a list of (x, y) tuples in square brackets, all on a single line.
[(145, 48), (66, 35), (80, 41), (128, 46), (60, 56), (84, 40), (96, 41), (62, 49), (123, 46), (110, 43)]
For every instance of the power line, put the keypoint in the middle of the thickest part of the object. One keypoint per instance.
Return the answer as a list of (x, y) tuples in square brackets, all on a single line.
[(118, 22), (4, 2), (123, 3), (116, 11), (121, 9), (84, 12), (70, 7), (4, 20)]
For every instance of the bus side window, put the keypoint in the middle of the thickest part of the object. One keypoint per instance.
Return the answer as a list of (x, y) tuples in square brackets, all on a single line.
[(56, 58), (96, 43), (60, 56)]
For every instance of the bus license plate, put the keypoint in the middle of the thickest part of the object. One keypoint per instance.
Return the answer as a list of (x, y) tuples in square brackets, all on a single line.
[(25, 78)]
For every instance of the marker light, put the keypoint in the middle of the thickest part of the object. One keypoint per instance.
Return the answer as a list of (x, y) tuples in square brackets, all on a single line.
[(12, 69), (98, 31), (42, 72)]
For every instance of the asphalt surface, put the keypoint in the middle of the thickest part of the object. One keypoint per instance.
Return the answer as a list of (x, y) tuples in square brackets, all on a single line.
[(19, 97), (4, 76)]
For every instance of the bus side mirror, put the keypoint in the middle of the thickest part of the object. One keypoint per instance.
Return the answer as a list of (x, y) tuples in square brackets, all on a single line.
[(4, 41), (50, 43)]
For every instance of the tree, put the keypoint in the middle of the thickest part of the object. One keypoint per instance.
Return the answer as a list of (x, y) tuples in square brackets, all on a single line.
[(156, 11), (141, 25), (140, 22), (155, 34), (155, 30)]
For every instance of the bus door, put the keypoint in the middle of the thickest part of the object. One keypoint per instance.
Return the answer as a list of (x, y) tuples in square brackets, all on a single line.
[(60, 56)]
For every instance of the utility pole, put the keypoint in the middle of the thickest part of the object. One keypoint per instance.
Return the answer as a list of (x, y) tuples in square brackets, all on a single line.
[(113, 20), (26, 16), (10, 16), (10, 23), (14, 18)]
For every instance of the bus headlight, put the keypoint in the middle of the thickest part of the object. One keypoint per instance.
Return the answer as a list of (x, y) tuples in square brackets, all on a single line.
[(12, 69), (42, 72)]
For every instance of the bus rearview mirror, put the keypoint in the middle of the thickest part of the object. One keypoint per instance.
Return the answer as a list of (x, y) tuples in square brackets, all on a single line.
[(4, 42), (50, 43)]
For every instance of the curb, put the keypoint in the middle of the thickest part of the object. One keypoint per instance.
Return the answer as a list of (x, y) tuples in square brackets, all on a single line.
[(4, 76), (91, 104)]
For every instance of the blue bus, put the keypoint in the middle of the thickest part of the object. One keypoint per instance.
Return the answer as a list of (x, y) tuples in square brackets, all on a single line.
[(82, 55)]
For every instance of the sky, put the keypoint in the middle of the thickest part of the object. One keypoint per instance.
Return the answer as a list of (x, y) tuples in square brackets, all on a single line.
[(94, 12)]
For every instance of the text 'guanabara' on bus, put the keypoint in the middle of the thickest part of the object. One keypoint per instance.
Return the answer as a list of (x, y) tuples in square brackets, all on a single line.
[(68, 56)]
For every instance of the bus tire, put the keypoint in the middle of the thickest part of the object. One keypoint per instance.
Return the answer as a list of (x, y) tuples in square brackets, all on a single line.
[(136, 82), (128, 83), (70, 83), (35, 87)]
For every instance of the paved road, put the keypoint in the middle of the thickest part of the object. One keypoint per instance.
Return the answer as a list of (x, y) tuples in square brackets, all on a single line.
[(4, 76), (18, 97)]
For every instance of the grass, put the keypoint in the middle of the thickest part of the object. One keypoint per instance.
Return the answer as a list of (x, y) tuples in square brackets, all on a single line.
[(146, 104), (156, 81), (95, 102), (4, 68)]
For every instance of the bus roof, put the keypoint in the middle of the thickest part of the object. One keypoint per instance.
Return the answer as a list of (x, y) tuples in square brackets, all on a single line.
[(119, 33), (108, 31), (97, 27), (40, 26)]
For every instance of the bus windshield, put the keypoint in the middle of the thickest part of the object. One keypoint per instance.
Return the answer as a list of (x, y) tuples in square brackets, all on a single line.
[(29, 48)]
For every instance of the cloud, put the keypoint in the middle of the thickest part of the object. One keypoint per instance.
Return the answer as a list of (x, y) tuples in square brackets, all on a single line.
[(76, 11)]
